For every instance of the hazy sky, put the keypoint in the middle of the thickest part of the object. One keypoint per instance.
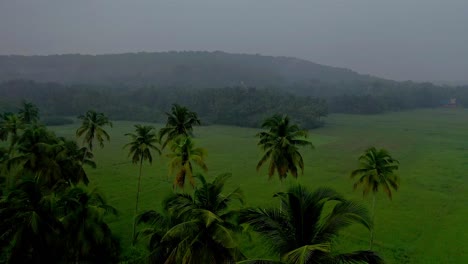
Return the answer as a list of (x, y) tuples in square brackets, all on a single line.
[(397, 39)]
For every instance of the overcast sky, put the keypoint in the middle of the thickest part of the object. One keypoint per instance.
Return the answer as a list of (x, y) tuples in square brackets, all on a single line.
[(397, 39)]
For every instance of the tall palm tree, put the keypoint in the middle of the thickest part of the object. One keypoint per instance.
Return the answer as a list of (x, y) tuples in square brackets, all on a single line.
[(195, 229), (92, 128), (86, 236), (182, 156), (304, 231), (376, 170), (180, 122), (29, 113), (144, 141), (281, 145)]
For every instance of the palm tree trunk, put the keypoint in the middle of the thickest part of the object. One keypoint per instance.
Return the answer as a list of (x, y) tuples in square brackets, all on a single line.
[(373, 217), (281, 190), (84, 157), (136, 205)]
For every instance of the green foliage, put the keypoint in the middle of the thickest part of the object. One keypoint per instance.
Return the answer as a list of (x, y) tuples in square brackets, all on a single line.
[(280, 144), (302, 232)]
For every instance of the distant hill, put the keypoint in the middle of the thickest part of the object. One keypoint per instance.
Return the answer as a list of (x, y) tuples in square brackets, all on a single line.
[(197, 69)]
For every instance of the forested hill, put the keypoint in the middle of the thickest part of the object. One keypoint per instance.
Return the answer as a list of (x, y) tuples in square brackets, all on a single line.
[(194, 69)]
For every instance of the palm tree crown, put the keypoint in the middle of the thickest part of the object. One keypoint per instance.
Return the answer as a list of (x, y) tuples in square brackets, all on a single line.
[(183, 154), (180, 122), (376, 170), (29, 113), (280, 144), (92, 128), (304, 230), (144, 141)]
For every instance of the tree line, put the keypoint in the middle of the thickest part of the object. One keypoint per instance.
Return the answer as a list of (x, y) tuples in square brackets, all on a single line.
[(49, 215), (239, 106)]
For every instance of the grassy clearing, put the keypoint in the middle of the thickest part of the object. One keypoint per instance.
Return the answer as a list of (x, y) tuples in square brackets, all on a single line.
[(425, 222)]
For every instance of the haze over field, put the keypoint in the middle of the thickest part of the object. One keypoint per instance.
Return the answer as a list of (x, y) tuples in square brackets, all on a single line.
[(417, 40)]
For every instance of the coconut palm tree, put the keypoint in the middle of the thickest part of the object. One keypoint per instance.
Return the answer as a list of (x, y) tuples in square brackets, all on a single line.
[(281, 145), (29, 113), (92, 128), (10, 127), (376, 170), (180, 122), (54, 162), (144, 141), (86, 236), (29, 229), (195, 229), (304, 231), (182, 156)]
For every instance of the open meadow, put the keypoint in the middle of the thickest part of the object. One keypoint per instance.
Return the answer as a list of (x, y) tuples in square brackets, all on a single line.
[(425, 222)]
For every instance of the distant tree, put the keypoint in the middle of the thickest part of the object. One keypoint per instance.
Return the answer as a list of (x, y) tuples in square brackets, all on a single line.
[(180, 122), (196, 228), (376, 170), (281, 145), (303, 232), (92, 128), (182, 156), (144, 141), (29, 113)]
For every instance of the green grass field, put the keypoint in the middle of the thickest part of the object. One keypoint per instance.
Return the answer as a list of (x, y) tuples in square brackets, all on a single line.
[(425, 222)]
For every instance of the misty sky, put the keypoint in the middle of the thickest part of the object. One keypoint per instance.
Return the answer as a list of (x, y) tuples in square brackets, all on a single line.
[(397, 39)]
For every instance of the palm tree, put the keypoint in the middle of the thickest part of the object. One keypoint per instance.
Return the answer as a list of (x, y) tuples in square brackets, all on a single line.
[(180, 122), (37, 154), (73, 160), (304, 231), (143, 142), (280, 144), (92, 128), (376, 170), (182, 156), (195, 229), (86, 235), (10, 126), (53, 162), (29, 228), (29, 113)]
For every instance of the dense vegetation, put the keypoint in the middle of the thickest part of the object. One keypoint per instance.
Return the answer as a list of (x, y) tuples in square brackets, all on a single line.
[(51, 216), (233, 89)]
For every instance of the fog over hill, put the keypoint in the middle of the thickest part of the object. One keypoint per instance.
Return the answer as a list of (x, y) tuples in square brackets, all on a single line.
[(190, 68)]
